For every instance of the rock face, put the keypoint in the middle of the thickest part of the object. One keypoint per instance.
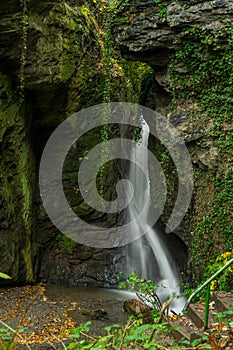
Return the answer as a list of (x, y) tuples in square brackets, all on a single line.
[(42, 70), (17, 179), (187, 68), (51, 65), (50, 68), (150, 35), (80, 266)]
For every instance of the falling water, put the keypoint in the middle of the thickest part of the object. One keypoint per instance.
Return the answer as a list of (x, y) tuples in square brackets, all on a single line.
[(149, 254)]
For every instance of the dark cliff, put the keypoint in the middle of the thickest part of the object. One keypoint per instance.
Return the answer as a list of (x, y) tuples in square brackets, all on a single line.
[(189, 45), (52, 65)]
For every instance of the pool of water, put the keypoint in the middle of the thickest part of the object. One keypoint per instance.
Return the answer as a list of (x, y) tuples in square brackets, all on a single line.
[(101, 306)]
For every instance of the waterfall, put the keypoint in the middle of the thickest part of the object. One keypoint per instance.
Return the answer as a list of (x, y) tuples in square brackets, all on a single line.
[(148, 256)]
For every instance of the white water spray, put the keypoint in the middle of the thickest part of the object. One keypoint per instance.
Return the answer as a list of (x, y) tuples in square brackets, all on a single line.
[(149, 254)]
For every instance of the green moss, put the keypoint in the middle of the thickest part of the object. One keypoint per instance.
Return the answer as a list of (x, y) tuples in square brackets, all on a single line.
[(65, 17), (86, 81), (66, 243), (121, 20), (102, 75), (72, 46), (25, 165), (61, 43), (28, 262), (207, 71), (67, 66), (16, 177)]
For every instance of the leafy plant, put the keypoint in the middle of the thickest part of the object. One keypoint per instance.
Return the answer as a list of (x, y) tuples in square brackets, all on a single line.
[(134, 335), (4, 276), (66, 243), (6, 341), (201, 69), (223, 315), (224, 281), (8, 335), (146, 290), (162, 10)]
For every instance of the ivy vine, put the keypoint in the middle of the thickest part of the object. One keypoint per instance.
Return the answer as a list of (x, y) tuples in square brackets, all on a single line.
[(162, 15), (202, 72)]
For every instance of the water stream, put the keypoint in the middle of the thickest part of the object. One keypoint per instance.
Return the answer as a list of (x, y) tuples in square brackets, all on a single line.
[(90, 302), (148, 256)]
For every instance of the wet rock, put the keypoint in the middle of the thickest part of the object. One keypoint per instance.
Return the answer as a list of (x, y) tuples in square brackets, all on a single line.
[(154, 37), (85, 266), (136, 308)]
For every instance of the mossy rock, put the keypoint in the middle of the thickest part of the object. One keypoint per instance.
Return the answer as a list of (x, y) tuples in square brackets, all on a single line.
[(16, 180)]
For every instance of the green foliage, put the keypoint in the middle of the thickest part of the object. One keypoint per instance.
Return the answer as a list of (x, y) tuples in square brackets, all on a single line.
[(224, 281), (202, 73), (162, 10), (134, 73), (215, 228), (6, 339), (66, 243), (135, 283), (85, 11), (4, 276), (134, 335), (110, 12), (202, 70), (226, 316), (146, 291), (7, 336)]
